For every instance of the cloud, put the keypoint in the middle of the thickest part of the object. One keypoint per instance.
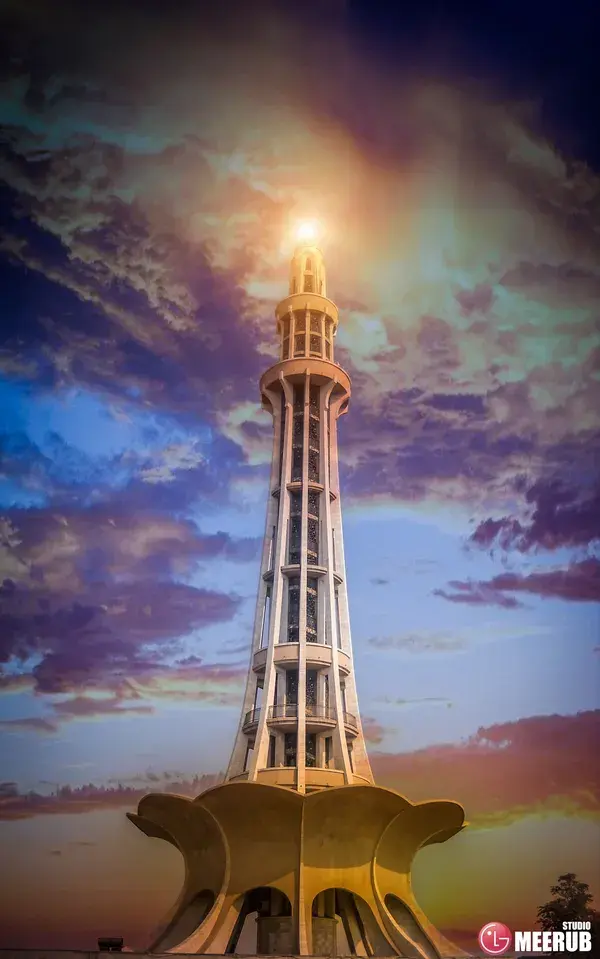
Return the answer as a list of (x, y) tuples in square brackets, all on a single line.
[(502, 773), (373, 731), (420, 643), (30, 724), (507, 770), (389, 701), (579, 583), (150, 224), (82, 799), (477, 594), (97, 602), (559, 517)]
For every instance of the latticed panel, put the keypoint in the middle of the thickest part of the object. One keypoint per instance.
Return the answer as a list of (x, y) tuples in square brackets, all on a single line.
[(311, 749), (295, 540), (285, 338), (297, 447), (289, 749), (313, 432), (299, 321), (282, 437), (314, 499), (314, 400), (312, 610), (293, 630), (313, 465), (312, 541)]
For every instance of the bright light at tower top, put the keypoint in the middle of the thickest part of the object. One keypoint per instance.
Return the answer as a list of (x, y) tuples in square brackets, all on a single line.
[(307, 231)]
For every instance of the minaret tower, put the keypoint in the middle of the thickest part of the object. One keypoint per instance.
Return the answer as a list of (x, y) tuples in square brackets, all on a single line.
[(298, 850), (300, 725)]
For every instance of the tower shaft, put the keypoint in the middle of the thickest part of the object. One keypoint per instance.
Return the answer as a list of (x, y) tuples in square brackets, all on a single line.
[(300, 725)]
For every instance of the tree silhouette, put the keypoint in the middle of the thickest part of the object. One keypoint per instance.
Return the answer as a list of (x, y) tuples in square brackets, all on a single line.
[(571, 902)]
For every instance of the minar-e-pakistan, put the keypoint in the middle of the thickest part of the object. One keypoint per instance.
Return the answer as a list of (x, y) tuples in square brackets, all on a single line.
[(298, 842)]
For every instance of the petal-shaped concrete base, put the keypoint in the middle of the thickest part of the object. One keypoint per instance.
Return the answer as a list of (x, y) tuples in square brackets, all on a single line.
[(299, 861)]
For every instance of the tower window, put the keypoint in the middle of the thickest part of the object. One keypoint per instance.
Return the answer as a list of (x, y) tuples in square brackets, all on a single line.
[(299, 344), (312, 541), (310, 756), (272, 747), (294, 285), (293, 631), (297, 447), (264, 636), (285, 341), (313, 502), (308, 264), (300, 321), (308, 284), (290, 749), (315, 322), (314, 400), (311, 609), (282, 436), (312, 678), (313, 433), (327, 350), (328, 750), (295, 527), (313, 465), (291, 687), (315, 344)]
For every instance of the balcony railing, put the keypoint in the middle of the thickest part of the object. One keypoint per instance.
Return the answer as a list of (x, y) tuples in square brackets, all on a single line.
[(290, 711), (350, 720), (251, 717), (320, 712), (283, 711)]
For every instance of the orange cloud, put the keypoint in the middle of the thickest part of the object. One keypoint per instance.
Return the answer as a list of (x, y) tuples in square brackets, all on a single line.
[(507, 770)]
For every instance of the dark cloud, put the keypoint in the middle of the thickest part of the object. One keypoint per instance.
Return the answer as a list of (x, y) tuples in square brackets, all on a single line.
[(559, 517), (91, 600), (579, 582), (477, 594)]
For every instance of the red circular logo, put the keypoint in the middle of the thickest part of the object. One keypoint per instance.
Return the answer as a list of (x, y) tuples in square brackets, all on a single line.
[(495, 938)]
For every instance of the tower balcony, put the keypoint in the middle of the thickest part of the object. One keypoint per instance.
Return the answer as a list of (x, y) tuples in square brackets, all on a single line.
[(286, 655), (285, 715), (251, 720), (321, 370), (318, 718), (293, 569), (351, 723)]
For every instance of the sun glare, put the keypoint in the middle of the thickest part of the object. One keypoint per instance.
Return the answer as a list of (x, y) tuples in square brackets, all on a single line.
[(307, 231)]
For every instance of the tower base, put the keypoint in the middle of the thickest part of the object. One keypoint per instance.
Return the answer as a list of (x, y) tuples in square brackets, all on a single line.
[(270, 871)]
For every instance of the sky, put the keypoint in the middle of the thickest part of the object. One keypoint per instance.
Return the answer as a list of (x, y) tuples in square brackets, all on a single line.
[(154, 163)]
